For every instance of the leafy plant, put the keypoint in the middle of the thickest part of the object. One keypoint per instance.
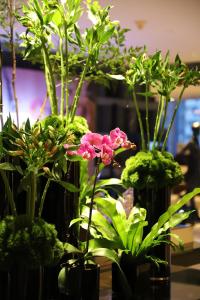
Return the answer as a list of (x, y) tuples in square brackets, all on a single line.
[(157, 77), (113, 229), (151, 169), (50, 23)]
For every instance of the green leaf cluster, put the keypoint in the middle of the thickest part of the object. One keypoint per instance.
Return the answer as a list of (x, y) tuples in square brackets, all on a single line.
[(53, 35), (151, 169), (112, 228), (29, 244), (158, 77)]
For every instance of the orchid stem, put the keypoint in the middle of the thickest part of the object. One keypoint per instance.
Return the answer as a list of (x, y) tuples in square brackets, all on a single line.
[(91, 206)]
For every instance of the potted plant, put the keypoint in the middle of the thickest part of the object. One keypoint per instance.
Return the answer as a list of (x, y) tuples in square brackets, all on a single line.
[(113, 228), (102, 148), (153, 171), (28, 242)]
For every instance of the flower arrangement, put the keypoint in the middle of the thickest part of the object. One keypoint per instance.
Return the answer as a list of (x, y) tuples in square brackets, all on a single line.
[(157, 77), (145, 168), (102, 148)]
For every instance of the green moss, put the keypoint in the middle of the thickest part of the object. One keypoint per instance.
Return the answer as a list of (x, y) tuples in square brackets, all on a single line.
[(32, 245), (152, 169)]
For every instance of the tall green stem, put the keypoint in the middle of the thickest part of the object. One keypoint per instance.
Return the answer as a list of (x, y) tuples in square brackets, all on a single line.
[(147, 114), (139, 120), (163, 122), (62, 77), (33, 186), (91, 206), (173, 118), (9, 193), (78, 90), (11, 8), (43, 198), (158, 120), (51, 87), (66, 71)]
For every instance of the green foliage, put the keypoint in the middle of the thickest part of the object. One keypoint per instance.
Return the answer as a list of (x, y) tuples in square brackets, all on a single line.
[(27, 243), (112, 228), (151, 169), (52, 33), (158, 77)]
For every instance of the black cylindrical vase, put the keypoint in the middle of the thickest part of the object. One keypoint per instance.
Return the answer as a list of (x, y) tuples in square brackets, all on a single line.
[(82, 282), (156, 201)]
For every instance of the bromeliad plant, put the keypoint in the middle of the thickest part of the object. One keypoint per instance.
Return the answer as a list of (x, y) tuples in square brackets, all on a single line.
[(113, 229)]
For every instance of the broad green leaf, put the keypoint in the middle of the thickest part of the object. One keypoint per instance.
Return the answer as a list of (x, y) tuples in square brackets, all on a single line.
[(74, 221), (104, 252), (108, 182), (69, 186), (118, 77), (104, 243), (7, 166), (167, 215), (70, 248)]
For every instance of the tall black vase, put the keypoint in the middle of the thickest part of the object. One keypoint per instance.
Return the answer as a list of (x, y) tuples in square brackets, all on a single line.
[(61, 206), (156, 201), (82, 282)]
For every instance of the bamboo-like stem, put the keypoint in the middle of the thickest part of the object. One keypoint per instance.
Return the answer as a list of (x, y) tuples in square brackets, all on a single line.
[(147, 115), (33, 188), (11, 9), (173, 118), (62, 75), (9, 193), (43, 197), (50, 81), (139, 120), (78, 91), (163, 121), (66, 72), (91, 206), (159, 121), (1, 87)]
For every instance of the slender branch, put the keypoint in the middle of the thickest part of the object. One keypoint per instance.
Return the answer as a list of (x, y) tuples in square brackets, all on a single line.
[(78, 90), (156, 123), (91, 206), (66, 71), (51, 86), (147, 115), (43, 197), (33, 185), (1, 86), (173, 118), (62, 75), (9, 193), (11, 8), (139, 120), (163, 121), (159, 121)]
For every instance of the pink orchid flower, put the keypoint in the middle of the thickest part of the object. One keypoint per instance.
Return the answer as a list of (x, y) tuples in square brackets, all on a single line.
[(87, 151), (106, 154), (94, 139), (118, 138)]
